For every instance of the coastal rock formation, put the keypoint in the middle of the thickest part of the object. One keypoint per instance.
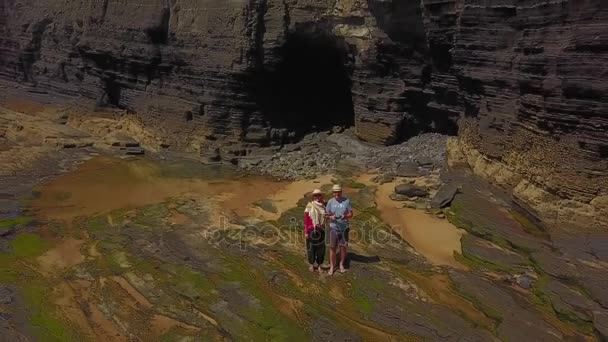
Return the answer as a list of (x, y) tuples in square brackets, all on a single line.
[(522, 82)]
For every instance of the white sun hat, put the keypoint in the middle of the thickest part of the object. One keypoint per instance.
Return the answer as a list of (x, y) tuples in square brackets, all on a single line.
[(336, 188)]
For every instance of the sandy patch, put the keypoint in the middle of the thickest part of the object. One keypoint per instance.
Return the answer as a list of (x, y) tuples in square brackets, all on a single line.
[(76, 303), (160, 325), (138, 297), (61, 257), (436, 239), (179, 219), (289, 194), (102, 184)]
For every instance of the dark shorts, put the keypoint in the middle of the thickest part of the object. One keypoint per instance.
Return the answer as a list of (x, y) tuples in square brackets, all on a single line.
[(337, 238)]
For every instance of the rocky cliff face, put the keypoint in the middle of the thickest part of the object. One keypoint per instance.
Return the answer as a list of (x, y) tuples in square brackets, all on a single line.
[(523, 78)]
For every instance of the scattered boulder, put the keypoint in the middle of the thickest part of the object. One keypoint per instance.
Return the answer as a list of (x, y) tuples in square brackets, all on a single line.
[(121, 140), (134, 151), (425, 162), (408, 169), (383, 178), (61, 118), (213, 155), (246, 162), (6, 295), (337, 129), (524, 281), (410, 190), (398, 197), (444, 196), (408, 203)]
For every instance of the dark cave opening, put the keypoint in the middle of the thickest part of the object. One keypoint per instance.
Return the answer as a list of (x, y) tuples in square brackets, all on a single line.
[(112, 93), (309, 88)]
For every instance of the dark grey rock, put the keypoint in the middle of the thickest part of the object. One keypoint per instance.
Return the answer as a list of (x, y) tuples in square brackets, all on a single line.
[(524, 281), (134, 151), (555, 265), (6, 295), (568, 301), (323, 330), (407, 169), (291, 148), (425, 162), (475, 247), (444, 196), (410, 190), (519, 321), (337, 129), (600, 322), (399, 197), (385, 177)]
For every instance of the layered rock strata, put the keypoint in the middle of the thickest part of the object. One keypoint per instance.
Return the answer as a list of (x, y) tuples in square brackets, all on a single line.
[(524, 79)]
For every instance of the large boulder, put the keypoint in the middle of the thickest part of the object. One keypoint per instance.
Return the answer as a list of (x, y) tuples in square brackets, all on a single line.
[(444, 196), (410, 190), (408, 169)]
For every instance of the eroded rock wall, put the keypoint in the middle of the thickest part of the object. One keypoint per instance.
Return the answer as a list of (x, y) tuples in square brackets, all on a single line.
[(534, 97), (525, 79)]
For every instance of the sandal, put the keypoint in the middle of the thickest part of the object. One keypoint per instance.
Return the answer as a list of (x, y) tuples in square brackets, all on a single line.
[(330, 272), (342, 269), (311, 268)]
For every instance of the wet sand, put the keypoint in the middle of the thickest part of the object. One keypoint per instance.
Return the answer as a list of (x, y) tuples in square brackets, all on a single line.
[(288, 195), (102, 184), (436, 239)]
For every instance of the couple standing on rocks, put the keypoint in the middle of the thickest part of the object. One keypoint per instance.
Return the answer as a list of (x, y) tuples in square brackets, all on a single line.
[(337, 211)]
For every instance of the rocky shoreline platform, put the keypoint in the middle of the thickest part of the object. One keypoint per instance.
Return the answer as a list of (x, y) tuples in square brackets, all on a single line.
[(102, 238)]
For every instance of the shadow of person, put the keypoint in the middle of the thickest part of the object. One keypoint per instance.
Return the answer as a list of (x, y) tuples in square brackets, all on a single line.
[(363, 259)]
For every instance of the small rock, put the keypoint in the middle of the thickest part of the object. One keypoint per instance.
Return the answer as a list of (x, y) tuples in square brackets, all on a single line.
[(407, 169), (384, 178), (6, 295), (410, 190), (524, 282), (62, 118), (410, 204), (134, 151), (398, 197), (441, 215), (337, 129), (425, 162)]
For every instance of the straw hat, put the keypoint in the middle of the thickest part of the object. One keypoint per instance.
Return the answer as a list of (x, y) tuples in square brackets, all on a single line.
[(317, 192), (336, 188)]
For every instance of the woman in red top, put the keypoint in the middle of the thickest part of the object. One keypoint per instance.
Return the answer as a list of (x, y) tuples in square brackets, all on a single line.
[(314, 230)]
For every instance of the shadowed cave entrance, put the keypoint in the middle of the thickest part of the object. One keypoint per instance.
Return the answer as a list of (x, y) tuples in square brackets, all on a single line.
[(309, 87)]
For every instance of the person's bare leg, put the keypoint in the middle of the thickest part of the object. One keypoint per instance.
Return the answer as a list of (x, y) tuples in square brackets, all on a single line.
[(342, 257), (332, 260)]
